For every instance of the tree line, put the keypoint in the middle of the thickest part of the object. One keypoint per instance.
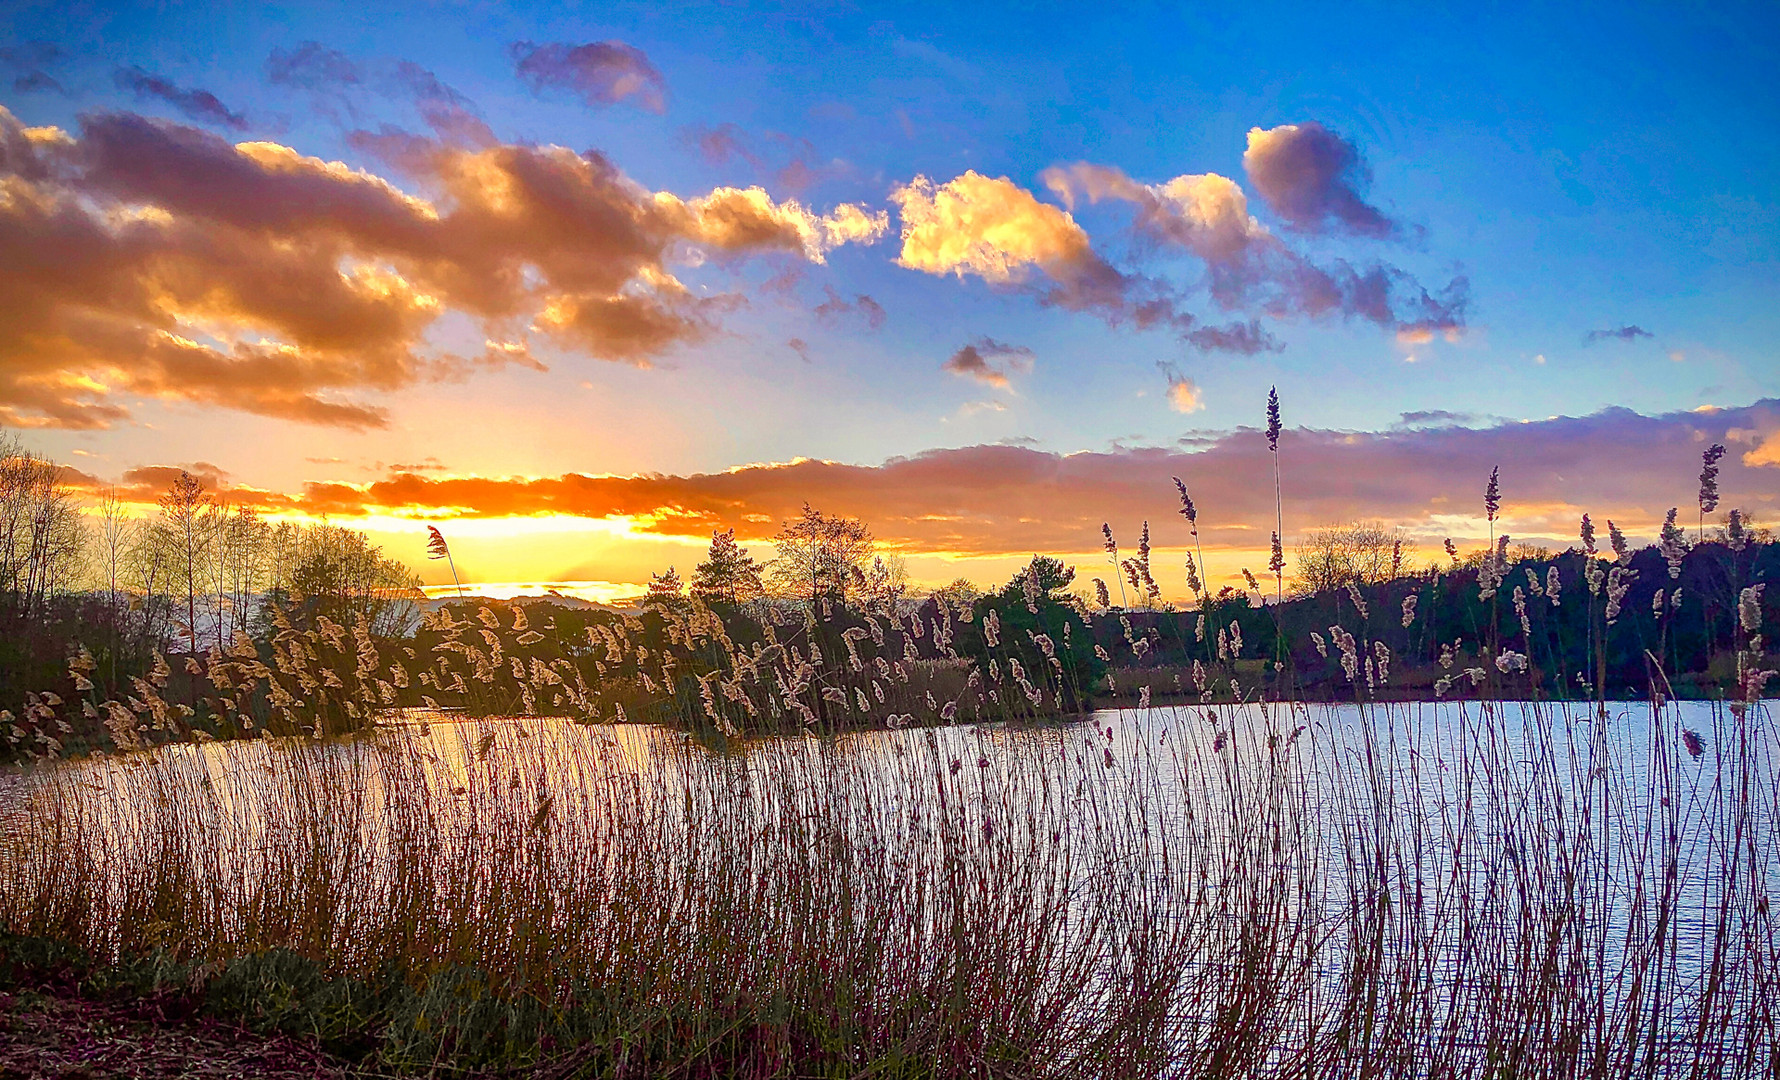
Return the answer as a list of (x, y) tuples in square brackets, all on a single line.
[(189, 575), (310, 628), (821, 557)]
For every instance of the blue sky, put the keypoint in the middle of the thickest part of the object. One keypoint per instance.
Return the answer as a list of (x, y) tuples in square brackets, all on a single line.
[(1582, 170)]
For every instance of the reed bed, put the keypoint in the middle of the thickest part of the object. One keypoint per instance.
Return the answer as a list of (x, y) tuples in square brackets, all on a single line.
[(1458, 890)]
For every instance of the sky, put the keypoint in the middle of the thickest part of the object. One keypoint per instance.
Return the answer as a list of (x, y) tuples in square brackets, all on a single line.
[(582, 285)]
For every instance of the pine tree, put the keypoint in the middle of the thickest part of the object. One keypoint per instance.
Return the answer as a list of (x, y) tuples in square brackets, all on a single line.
[(728, 574), (666, 591)]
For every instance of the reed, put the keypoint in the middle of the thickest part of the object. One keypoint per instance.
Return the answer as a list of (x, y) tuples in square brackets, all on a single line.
[(1391, 890)]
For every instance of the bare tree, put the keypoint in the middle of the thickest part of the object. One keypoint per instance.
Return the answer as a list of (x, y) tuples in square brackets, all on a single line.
[(820, 555), (281, 558), (1364, 552), (43, 538), (145, 563), (242, 540), (186, 529), (116, 532)]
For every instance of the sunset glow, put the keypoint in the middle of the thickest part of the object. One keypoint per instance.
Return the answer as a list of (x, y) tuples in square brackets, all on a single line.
[(581, 291)]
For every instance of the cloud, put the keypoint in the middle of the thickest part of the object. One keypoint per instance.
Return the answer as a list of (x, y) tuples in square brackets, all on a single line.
[(720, 144), (978, 361), (1183, 393), (1765, 453), (36, 81), (431, 464), (790, 161), (29, 59), (1426, 314), (199, 105), (30, 54), (334, 78), (738, 219), (971, 408), (992, 228), (1436, 417), (147, 259), (425, 85), (1249, 268), (312, 66), (600, 73), (452, 116), (1206, 214), (1246, 338), (1312, 178), (1014, 499), (1624, 333), (835, 307), (996, 230)]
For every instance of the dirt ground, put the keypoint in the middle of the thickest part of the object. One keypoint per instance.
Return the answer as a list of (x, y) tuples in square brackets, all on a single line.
[(47, 1035)]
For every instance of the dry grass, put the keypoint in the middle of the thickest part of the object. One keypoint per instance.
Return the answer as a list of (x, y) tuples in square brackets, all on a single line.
[(1403, 891)]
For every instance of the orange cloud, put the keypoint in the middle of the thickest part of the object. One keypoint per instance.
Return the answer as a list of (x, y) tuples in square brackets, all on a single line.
[(747, 219), (1183, 393), (1000, 500), (996, 230), (1765, 453), (145, 259)]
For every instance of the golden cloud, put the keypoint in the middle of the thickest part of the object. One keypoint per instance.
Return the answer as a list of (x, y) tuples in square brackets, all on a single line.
[(1184, 395), (990, 227), (149, 259), (747, 219), (997, 230), (1765, 453)]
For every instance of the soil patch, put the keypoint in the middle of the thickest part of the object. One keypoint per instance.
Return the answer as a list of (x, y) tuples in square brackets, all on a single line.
[(49, 1034)]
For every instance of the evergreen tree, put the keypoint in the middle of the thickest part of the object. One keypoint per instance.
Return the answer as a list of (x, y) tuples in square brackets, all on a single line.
[(666, 591), (728, 574)]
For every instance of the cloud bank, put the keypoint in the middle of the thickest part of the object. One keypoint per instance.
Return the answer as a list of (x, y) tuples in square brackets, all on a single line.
[(1014, 499)]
